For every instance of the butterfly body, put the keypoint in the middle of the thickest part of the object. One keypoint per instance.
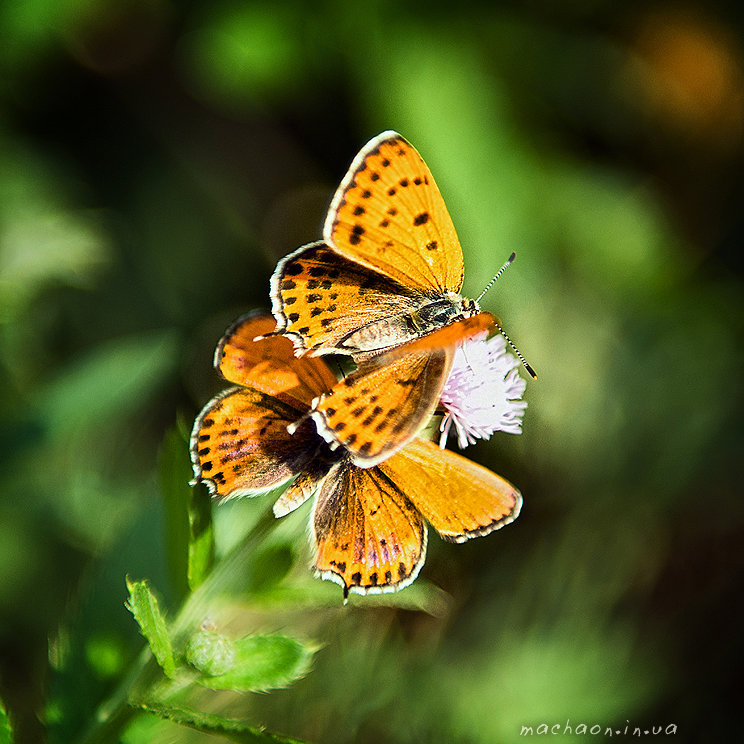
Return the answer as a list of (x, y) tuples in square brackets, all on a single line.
[(425, 317), (384, 288), (328, 304), (389, 268)]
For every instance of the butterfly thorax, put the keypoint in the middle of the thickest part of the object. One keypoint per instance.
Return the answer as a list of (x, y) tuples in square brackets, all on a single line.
[(396, 329)]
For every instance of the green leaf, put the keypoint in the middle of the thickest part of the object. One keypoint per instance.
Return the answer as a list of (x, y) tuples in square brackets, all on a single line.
[(144, 606), (174, 475), (229, 728), (6, 732), (190, 532), (262, 662)]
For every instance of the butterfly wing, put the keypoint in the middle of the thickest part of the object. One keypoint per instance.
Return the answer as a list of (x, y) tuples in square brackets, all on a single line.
[(324, 302), (380, 407), (459, 498), (269, 363), (240, 444), (376, 411), (388, 214), (368, 535)]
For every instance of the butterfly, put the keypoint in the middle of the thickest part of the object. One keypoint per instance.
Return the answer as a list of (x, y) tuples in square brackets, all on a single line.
[(368, 525), (383, 287), (389, 268)]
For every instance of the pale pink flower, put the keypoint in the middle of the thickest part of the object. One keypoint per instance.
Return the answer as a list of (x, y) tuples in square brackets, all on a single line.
[(483, 392)]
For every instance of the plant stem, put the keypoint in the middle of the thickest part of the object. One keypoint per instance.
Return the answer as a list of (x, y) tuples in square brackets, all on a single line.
[(116, 712)]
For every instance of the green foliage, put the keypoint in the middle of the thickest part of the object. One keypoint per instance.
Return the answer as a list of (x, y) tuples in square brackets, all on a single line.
[(253, 663), (229, 729), (6, 731), (158, 158), (201, 542), (189, 535), (146, 610), (244, 53), (257, 663), (107, 381), (268, 568)]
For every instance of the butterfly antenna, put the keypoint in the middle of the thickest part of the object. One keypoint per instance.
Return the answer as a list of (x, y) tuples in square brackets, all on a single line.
[(509, 262), (525, 363)]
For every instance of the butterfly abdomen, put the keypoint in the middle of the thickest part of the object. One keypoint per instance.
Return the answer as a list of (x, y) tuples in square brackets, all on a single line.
[(380, 334)]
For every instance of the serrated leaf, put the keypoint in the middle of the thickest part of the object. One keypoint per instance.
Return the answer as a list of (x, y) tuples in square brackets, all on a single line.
[(262, 662), (229, 728), (6, 731), (144, 606)]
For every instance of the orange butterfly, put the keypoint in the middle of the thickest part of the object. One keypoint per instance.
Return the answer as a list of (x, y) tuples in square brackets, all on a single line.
[(385, 289), (390, 269), (367, 524)]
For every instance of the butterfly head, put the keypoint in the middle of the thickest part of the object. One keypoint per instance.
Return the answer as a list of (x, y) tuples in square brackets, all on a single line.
[(469, 307)]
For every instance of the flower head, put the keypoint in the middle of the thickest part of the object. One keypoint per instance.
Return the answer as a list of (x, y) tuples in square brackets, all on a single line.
[(483, 392)]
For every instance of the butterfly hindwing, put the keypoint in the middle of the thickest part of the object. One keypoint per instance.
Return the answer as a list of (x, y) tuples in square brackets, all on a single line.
[(368, 535), (458, 497), (269, 364), (240, 444)]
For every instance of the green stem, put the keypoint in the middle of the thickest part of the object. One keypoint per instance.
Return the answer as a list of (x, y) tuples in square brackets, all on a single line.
[(116, 712), (197, 605)]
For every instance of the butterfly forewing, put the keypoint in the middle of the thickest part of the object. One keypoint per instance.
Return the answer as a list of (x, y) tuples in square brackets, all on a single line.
[(379, 408), (459, 498), (389, 214), (327, 304), (368, 535)]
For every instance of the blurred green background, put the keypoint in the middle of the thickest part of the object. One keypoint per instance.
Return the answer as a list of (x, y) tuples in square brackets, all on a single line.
[(157, 158)]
